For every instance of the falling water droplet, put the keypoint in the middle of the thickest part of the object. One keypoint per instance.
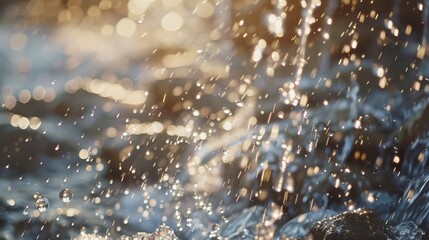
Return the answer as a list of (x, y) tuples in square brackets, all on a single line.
[(244, 233), (41, 203), (66, 195), (215, 227), (220, 210), (214, 233), (189, 222), (25, 212)]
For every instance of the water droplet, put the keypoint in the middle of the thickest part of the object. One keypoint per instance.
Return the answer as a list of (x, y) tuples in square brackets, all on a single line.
[(25, 212), (215, 227), (220, 210), (41, 203), (244, 233), (189, 222), (66, 195)]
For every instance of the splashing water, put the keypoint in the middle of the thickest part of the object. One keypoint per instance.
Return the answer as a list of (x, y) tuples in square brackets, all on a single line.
[(66, 195), (413, 205), (41, 203), (182, 132), (290, 94)]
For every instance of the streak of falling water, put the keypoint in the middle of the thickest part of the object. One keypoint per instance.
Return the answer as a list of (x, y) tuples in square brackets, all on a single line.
[(414, 204), (287, 148), (425, 36), (350, 123), (415, 159), (290, 94), (396, 11), (276, 19), (325, 58)]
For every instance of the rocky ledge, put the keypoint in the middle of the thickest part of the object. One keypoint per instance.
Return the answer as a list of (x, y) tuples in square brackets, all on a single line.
[(362, 224)]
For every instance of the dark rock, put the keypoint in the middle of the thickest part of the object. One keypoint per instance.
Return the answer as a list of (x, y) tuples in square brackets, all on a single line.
[(357, 224), (299, 226)]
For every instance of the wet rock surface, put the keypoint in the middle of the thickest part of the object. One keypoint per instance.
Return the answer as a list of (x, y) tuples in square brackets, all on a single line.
[(299, 227), (353, 225), (362, 224)]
